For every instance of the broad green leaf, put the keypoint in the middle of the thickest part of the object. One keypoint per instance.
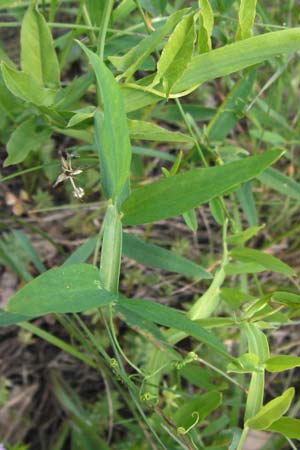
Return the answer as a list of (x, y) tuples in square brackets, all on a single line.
[(206, 23), (132, 60), (8, 318), (234, 57), (176, 54), (287, 426), (169, 317), (247, 201), (38, 57), (154, 256), (280, 183), (232, 108), (72, 288), (272, 411), (112, 136), (246, 19), (177, 194), (24, 139), (282, 362), (243, 267), (195, 410), (243, 236), (147, 131), (25, 87), (267, 261)]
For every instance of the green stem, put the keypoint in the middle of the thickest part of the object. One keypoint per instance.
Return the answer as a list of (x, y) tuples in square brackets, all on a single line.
[(242, 439), (111, 250), (104, 27)]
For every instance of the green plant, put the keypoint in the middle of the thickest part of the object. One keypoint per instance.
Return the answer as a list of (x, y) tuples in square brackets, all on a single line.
[(206, 172)]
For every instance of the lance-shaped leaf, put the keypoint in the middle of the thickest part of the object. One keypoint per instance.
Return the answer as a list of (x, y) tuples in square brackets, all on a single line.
[(268, 262), (27, 88), (280, 183), (147, 131), (287, 426), (112, 136), (177, 53), (69, 288), (170, 317), (154, 256), (272, 411), (206, 23), (234, 57), (246, 19), (38, 57), (175, 195)]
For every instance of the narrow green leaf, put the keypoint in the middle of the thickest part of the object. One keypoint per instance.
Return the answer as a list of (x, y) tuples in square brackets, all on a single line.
[(272, 411), (280, 183), (38, 57), (234, 57), (243, 236), (190, 219), (287, 298), (287, 426), (206, 23), (176, 54), (29, 250), (243, 267), (154, 256), (24, 139), (246, 19), (112, 136), (82, 253), (175, 195), (132, 60), (282, 362), (147, 131), (72, 288), (25, 87), (169, 317), (247, 201), (267, 261)]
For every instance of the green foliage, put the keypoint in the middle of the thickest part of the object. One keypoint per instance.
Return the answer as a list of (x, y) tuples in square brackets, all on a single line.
[(167, 363)]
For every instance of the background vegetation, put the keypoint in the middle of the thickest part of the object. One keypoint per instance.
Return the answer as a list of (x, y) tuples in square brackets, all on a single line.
[(163, 135)]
